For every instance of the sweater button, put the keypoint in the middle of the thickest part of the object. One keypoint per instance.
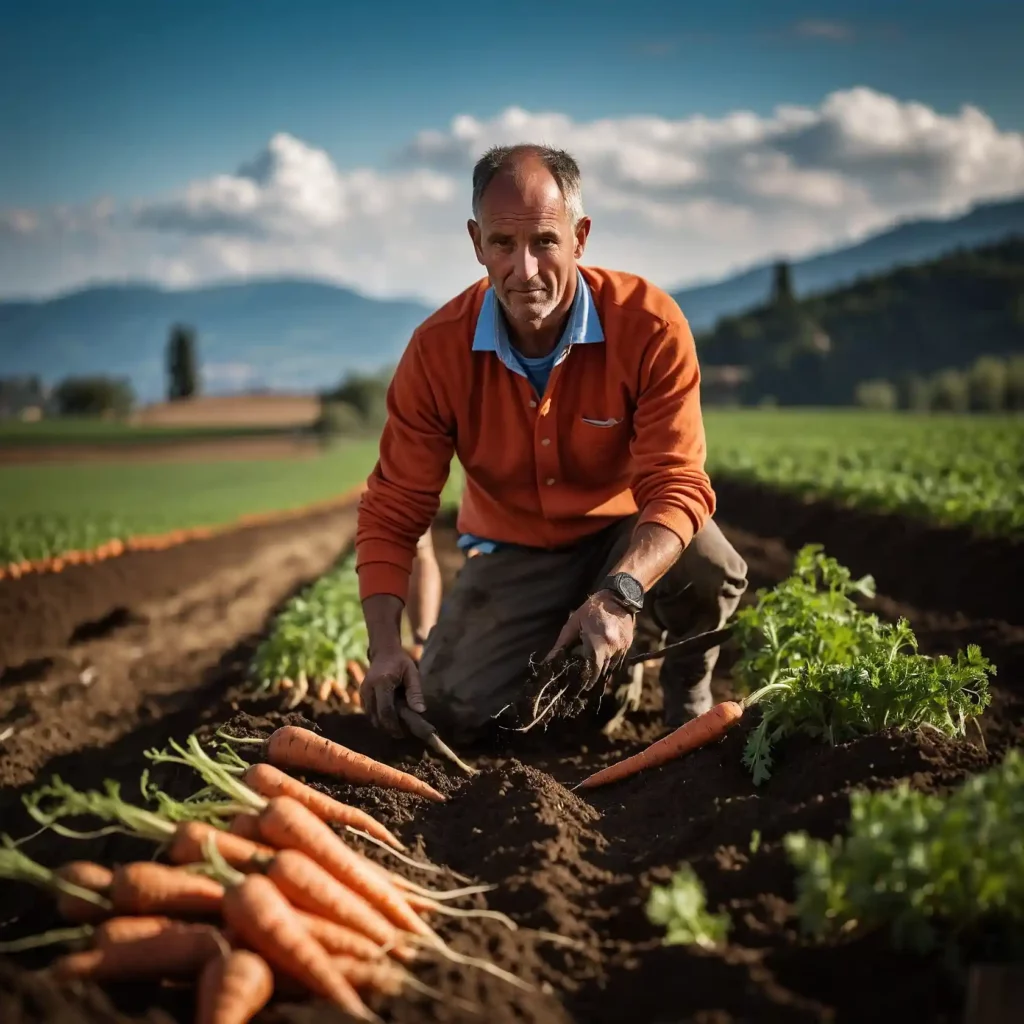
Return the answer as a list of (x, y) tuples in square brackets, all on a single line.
[(550, 481), (533, 404), (546, 441)]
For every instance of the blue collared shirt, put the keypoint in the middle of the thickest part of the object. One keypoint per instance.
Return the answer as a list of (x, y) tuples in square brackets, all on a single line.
[(582, 328)]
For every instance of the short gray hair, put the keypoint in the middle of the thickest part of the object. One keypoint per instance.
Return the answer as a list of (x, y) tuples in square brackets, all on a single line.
[(562, 166)]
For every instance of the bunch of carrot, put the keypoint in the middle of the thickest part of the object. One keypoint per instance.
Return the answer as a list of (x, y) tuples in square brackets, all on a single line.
[(261, 893)]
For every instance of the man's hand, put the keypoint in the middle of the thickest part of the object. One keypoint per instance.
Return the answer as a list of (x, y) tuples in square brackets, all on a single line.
[(390, 673), (605, 630)]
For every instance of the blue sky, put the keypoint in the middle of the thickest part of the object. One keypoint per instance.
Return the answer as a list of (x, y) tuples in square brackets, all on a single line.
[(134, 100), (108, 97)]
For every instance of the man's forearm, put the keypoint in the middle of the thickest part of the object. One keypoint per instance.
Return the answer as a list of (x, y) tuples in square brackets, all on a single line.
[(383, 614), (652, 551)]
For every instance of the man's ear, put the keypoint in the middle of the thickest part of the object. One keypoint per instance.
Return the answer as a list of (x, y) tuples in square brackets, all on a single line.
[(582, 233), (476, 236)]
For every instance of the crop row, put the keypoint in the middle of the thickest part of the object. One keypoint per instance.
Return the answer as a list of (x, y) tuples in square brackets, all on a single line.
[(935, 871), (956, 470), (48, 511)]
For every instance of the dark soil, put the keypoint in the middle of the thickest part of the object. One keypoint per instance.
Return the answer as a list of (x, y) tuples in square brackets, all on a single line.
[(572, 870), (941, 568)]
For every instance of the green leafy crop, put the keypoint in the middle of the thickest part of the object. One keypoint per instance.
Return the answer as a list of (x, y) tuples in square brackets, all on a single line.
[(314, 635), (838, 672), (930, 868), (809, 617), (681, 909)]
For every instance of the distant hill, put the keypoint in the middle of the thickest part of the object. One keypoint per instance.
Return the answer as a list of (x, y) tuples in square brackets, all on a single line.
[(283, 335), (910, 322), (910, 242)]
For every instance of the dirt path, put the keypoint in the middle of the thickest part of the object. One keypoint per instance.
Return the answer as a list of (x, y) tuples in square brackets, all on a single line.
[(173, 660)]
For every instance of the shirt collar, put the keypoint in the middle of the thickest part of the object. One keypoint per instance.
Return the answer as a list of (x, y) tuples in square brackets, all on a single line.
[(582, 328)]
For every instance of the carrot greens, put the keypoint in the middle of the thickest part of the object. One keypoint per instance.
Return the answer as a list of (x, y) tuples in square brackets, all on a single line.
[(839, 672), (681, 909), (935, 870)]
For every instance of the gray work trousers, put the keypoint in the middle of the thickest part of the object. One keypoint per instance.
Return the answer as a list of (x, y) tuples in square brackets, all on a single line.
[(509, 605)]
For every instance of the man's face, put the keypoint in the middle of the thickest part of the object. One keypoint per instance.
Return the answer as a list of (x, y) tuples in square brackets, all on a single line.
[(525, 239)]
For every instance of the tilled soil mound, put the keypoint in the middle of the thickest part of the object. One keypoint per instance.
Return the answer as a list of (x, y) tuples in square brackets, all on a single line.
[(572, 869)]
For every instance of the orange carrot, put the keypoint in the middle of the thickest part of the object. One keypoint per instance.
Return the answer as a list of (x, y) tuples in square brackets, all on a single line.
[(356, 672), (698, 732), (188, 846), (288, 825), (294, 747), (373, 975), (130, 929), (146, 887), (85, 875), (234, 988), (267, 923), (245, 825), (180, 950), (310, 887), (342, 940), (269, 781)]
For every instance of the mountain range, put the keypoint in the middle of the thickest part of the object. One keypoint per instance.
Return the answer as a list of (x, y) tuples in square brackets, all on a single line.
[(302, 335)]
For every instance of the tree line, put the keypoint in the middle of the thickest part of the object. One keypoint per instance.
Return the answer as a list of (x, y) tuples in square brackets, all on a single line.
[(990, 384), (916, 333)]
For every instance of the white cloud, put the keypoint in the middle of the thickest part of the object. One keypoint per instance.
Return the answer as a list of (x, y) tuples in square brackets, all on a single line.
[(18, 222), (674, 200)]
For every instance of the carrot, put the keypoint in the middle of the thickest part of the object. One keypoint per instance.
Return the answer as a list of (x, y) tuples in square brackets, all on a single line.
[(130, 929), (286, 824), (180, 950), (294, 747), (698, 732), (269, 781), (342, 940), (146, 887), (356, 672), (267, 923), (373, 976), (86, 875), (189, 837), (234, 988), (245, 825), (312, 888)]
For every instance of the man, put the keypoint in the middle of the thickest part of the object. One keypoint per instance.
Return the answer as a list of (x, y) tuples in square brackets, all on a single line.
[(571, 397)]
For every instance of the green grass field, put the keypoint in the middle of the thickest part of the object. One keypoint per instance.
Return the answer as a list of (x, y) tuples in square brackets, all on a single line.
[(50, 509)]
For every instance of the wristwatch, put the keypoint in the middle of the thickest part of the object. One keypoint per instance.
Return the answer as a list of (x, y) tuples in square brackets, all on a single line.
[(626, 589)]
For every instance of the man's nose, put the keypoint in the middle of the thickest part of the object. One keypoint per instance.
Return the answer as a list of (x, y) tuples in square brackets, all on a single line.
[(526, 264)]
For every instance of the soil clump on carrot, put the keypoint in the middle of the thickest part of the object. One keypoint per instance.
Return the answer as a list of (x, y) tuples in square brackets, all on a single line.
[(573, 869)]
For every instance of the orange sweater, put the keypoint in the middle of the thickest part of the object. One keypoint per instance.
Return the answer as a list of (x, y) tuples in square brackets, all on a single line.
[(537, 473)]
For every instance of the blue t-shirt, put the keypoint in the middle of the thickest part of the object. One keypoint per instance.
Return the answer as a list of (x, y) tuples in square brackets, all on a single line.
[(539, 368)]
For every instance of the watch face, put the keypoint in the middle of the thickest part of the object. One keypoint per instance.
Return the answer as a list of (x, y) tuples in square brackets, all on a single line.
[(631, 589)]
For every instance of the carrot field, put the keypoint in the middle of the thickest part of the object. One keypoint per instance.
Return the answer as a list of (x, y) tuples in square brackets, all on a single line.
[(848, 850)]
